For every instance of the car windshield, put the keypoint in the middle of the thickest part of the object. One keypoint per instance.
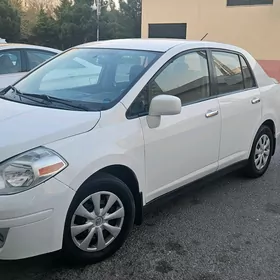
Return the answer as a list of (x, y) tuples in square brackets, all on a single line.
[(94, 78)]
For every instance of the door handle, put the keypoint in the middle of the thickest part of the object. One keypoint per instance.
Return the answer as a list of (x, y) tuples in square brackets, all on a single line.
[(211, 113), (255, 100)]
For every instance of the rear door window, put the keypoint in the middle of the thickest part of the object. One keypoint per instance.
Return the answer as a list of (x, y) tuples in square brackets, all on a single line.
[(36, 57), (228, 72)]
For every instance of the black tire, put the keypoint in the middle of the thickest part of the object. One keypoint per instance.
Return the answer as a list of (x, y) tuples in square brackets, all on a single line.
[(101, 182), (251, 170)]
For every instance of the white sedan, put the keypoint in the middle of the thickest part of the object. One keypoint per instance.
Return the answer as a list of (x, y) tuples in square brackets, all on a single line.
[(91, 137), (17, 59)]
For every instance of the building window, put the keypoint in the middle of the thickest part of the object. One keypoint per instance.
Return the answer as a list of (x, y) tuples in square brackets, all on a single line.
[(249, 2), (168, 30)]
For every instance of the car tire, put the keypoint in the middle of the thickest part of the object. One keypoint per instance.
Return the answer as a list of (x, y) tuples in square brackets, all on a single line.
[(97, 223), (261, 153)]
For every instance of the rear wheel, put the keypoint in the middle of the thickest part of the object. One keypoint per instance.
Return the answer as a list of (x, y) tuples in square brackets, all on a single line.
[(99, 220), (261, 153)]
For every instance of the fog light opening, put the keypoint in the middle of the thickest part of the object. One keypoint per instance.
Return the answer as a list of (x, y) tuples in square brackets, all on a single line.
[(3, 236), (2, 240)]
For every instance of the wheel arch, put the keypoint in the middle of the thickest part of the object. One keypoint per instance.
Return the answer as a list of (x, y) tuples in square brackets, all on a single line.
[(126, 175), (270, 123)]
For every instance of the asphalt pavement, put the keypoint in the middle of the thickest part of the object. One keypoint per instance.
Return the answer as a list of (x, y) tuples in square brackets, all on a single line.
[(227, 230)]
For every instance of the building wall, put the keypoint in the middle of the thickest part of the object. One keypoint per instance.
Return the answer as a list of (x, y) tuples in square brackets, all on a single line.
[(254, 28)]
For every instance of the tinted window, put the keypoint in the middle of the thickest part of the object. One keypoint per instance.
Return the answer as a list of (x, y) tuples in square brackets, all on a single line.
[(248, 77), (36, 57), (186, 77), (10, 62), (228, 71), (88, 76)]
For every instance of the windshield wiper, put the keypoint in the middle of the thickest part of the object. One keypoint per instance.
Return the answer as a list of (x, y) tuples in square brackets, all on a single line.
[(47, 98), (52, 99)]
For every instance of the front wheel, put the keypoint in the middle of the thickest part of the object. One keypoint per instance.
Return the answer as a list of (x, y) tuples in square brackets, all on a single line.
[(261, 153), (99, 219)]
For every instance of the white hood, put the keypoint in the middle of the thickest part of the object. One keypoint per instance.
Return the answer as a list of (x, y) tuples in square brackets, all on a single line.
[(23, 127), (10, 79)]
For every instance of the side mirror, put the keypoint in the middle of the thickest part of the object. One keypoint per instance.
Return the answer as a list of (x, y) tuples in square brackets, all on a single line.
[(163, 105)]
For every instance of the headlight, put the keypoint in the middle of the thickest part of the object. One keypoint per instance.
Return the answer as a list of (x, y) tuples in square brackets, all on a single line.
[(29, 169)]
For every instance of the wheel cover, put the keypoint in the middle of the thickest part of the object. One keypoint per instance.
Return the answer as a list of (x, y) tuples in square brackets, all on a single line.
[(262, 152), (97, 221)]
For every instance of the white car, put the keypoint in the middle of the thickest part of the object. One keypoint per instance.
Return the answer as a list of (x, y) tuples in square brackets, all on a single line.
[(17, 59), (81, 157)]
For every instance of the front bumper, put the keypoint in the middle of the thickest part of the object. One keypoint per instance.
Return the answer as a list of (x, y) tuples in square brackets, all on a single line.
[(32, 222)]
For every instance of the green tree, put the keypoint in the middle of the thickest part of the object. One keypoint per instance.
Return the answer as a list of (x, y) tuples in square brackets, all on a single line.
[(74, 22), (17, 4), (9, 21), (45, 31), (131, 11)]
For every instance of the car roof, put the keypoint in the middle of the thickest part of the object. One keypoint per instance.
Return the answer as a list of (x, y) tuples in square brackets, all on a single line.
[(158, 45), (6, 46)]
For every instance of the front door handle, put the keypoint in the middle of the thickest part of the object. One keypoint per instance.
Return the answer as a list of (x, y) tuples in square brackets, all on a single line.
[(255, 100), (211, 113)]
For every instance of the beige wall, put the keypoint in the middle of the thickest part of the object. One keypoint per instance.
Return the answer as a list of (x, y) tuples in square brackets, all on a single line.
[(255, 28)]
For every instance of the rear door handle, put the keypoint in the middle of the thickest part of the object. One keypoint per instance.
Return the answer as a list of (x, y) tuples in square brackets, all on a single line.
[(255, 100), (211, 113)]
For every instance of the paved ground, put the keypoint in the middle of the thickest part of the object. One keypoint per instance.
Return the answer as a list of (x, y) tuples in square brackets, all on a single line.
[(228, 230)]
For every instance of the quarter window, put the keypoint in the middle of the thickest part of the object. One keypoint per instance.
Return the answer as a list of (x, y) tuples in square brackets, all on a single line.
[(249, 80), (10, 62), (228, 71), (129, 67)]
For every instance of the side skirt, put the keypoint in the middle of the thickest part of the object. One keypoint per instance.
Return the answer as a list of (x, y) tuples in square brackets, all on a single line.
[(192, 186)]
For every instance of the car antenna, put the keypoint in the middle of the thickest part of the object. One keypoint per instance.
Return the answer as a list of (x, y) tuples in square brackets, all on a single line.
[(204, 37)]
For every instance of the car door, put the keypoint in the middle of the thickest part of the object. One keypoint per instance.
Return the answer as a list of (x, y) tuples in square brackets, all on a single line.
[(184, 147), (10, 67), (239, 99)]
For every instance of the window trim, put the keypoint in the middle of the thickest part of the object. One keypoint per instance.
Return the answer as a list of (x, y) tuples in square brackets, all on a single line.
[(185, 52), (216, 93), (230, 3), (22, 62), (251, 72), (27, 64), (242, 72)]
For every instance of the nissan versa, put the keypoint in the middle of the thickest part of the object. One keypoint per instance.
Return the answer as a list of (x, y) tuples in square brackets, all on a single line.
[(96, 133)]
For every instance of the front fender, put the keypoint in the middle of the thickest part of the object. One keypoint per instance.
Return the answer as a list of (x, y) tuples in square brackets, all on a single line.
[(88, 153)]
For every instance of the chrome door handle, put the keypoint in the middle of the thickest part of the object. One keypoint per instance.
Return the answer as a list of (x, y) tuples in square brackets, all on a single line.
[(255, 100), (211, 113)]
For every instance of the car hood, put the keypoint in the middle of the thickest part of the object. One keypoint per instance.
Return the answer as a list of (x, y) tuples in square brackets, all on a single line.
[(10, 79), (23, 127)]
